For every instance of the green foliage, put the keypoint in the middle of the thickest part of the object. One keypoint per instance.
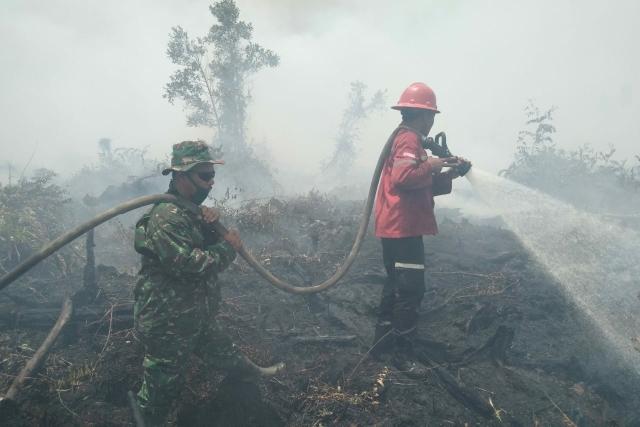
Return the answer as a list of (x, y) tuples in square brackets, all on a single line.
[(32, 212), (212, 73), (211, 81), (535, 146), (585, 177), (357, 110)]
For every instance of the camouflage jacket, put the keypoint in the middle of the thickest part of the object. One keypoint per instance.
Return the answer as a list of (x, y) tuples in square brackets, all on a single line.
[(181, 256)]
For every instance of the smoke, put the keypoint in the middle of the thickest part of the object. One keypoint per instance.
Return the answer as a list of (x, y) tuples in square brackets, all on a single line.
[(71, 73)]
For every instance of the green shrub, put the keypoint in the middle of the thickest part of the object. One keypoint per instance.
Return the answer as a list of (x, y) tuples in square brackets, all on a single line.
[(33, 212), (585, 177)]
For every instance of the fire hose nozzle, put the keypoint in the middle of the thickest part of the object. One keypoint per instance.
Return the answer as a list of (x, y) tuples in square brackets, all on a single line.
[(438, 147), (463, 167)]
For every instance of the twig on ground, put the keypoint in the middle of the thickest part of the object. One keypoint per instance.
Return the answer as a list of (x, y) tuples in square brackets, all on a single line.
[(234, 298), (109, 312), (444, 303), (355, 368), (496, 411), (565, 418), (467, 273), (37, 293), (34, 363), (106, 341), (488, 291), (64, 405), (339, 339)]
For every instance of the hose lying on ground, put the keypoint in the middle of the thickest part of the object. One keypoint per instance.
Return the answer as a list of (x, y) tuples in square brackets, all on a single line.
[(71, 235)]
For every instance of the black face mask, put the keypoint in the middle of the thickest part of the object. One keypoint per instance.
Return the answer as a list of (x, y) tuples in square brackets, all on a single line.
[(201, 194)]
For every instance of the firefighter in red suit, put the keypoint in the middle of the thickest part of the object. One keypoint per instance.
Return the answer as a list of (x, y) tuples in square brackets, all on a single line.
[(403, 214)]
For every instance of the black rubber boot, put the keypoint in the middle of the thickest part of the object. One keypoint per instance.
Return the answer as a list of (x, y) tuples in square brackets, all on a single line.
[(404, 357), (384, 340)]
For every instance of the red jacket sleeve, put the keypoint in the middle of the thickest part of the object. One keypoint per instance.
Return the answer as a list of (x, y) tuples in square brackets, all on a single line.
[(408, 172)]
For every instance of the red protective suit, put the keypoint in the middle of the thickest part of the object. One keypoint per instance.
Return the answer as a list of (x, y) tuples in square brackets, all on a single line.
[(404, 202)]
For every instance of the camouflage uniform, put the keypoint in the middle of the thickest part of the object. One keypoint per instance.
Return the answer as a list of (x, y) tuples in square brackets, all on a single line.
[(176, 300)]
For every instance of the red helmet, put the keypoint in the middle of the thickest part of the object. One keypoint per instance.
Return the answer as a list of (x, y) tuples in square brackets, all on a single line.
[(417, 95)]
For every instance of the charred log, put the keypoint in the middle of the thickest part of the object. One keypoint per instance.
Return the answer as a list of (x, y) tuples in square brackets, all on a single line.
[(42, 317), (495, 349), (458, 390)]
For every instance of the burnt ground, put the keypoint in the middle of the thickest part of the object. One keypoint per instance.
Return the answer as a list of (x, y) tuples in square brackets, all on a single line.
[(496, 330)]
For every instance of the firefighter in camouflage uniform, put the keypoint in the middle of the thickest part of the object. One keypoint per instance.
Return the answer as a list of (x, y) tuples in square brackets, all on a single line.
[(177, 295)]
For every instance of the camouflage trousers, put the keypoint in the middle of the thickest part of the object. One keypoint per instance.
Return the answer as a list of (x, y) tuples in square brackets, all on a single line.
[(172, 330)]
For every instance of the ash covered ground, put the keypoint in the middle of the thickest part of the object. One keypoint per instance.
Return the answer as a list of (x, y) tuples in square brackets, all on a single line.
[(505, 345)]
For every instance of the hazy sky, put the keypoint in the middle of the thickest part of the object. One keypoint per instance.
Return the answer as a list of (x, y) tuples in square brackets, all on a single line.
[(72, 72)]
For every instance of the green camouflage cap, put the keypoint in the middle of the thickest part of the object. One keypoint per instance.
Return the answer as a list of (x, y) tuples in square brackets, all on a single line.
[(187, 154)]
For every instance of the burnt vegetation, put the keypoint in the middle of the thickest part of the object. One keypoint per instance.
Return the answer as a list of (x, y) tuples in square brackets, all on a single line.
[(503, 345)]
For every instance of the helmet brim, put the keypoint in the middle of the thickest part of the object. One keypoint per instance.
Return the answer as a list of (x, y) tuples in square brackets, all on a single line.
[(405, 106)]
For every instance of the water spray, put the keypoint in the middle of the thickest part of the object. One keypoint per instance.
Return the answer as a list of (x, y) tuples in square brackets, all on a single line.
[(594, 261)]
